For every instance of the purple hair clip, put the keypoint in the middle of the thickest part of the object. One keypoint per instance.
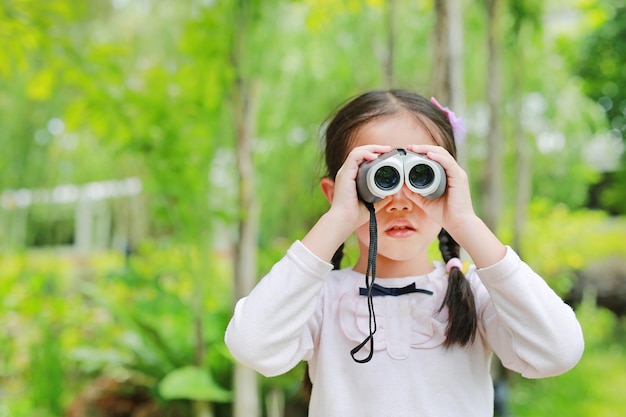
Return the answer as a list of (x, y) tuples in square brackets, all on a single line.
[(458, 125)]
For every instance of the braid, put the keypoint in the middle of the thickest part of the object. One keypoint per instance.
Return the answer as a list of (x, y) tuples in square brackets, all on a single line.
[(462, 319)]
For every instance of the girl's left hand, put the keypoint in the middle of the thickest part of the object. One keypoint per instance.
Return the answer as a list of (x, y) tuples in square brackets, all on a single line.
[(454, 207)]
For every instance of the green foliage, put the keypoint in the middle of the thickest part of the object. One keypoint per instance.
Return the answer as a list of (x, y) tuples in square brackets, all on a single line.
[(44, 318), (168, 289), (600, 63), (46, 364), (558, 241), (100, 90), (66, 320), (65, 317), (154, 101), (525, 13), (595, 387), (191, 383)]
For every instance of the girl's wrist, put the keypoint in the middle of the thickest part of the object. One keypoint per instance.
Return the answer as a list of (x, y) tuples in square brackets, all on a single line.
[(482, 245), (330, 231)]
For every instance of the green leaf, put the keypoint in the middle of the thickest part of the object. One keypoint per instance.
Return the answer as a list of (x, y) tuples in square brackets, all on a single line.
[(192, 383), (41, 85)]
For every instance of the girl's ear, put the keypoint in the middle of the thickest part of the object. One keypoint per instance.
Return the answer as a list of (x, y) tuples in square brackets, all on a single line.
[(328, 188)]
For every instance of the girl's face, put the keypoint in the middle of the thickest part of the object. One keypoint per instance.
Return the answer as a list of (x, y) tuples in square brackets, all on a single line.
[(404, 230)]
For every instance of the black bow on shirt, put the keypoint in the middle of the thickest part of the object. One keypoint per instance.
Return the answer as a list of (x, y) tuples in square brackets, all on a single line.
[(380, 290)]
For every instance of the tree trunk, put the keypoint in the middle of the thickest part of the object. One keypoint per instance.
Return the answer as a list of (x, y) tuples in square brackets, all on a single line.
[(448, 75), (448, 64), (457, 70), (202, 409), (441, 54), (523, 175), (246, 385), (493, 167), (275, 403), (523, 187), (391, 36), (492, 205)]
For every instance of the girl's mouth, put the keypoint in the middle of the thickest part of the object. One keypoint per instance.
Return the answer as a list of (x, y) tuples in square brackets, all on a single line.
[(400, 231)]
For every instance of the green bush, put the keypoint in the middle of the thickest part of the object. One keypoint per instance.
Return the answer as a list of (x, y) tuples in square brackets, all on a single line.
[(595, 387), (161, 316), (71, 319)]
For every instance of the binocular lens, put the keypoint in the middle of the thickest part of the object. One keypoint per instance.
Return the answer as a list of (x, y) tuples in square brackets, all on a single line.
[(387, 174), (386, 177), (421, 176)]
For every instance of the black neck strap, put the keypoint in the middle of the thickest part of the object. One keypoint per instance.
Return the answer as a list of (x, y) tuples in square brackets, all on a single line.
[(369, 273)]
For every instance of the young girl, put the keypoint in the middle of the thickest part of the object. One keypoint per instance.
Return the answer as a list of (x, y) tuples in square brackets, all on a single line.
[(435, 331)]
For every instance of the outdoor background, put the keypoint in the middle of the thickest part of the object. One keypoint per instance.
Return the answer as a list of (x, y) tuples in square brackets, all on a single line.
[(157, 157)]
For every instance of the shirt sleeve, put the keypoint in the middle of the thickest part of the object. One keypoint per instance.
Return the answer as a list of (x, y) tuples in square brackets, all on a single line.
[(272, 329), (526, 323)]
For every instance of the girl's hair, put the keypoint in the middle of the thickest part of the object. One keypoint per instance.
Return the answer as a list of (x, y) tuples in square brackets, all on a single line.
[(339, 137)]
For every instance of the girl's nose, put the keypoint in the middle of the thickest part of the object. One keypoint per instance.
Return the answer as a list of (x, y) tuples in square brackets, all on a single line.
[(400, 200)]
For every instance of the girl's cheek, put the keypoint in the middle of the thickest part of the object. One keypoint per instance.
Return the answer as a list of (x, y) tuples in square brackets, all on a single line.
[(379, 205), (363, 233), (414, 198)]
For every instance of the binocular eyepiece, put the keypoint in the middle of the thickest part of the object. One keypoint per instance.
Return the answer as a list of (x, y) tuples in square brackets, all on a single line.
[(386, 174)]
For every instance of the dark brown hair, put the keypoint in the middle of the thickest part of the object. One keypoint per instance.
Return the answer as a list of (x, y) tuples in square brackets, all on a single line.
[(339, 137)]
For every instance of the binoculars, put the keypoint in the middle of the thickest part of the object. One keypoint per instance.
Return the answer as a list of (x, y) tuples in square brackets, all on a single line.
[(389, 172)]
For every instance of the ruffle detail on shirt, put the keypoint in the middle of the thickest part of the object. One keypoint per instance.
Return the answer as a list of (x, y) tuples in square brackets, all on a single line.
[(410, 321)]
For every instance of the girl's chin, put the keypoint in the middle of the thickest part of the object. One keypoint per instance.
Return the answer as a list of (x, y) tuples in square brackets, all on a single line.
[(402, 251)]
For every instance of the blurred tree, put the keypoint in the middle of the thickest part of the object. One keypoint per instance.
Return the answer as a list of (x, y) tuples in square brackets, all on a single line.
[(492, 174), (152, 97), (153, 111), (601, 63), (448, 60), (526, 23), (447, 79), (104, 89), (602, 67), (32, 58), (246, 15), (526, 16)]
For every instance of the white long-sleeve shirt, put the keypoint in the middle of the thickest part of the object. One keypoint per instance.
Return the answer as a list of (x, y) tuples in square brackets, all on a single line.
[(304, 310)]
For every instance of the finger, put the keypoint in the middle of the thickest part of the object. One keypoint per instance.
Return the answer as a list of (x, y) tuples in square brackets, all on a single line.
[(425, 149), (361, 154), (375, 148), (369, 152), (437, 154)]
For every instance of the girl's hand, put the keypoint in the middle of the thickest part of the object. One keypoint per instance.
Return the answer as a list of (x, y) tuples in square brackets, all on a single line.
[(343, 193), (346, 211), (455, 207), (454, 212)]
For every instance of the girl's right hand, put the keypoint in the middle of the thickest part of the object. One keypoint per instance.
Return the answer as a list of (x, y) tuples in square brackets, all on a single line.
[(342, 192), (346, 211)]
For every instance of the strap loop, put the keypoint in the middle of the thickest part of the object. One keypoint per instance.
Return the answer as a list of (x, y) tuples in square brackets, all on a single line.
[(371, 268)]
